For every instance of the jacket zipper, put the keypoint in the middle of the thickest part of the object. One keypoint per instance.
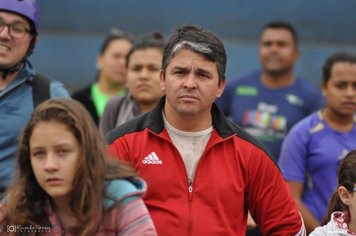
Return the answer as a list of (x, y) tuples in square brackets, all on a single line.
[(190, 197)]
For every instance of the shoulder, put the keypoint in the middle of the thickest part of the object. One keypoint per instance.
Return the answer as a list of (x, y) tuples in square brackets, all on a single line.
[(306, 87), (123, 190), (58, 89), (328, 229), (116, 101), (249, 78), (320, 231), (82, 93), (137, 124), (310, 124)]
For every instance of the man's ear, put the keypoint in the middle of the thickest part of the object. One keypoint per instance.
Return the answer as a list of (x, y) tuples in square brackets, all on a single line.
[(162, 83), (344, 195), (221, 88)]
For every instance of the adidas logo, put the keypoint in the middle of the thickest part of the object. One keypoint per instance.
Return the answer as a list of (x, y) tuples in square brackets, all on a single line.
[(152, 158)]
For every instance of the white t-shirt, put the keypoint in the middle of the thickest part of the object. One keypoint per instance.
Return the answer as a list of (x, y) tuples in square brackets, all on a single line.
[(190, 145)]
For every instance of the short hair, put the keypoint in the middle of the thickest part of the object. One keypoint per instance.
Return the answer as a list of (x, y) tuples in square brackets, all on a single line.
[(152, 40), (115, 34), (332, 60), (282, 25), (200, 41)]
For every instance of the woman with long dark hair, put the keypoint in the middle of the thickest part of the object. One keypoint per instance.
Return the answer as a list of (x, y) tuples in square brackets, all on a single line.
[(66, 184)]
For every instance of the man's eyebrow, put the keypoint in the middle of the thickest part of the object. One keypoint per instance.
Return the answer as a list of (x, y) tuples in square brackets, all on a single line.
[(180, 67)]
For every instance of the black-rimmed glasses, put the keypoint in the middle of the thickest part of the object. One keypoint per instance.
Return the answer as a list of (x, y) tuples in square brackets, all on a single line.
[(16, 30)]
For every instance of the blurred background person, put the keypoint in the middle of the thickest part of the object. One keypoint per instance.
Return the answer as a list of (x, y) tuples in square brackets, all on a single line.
[(269, 101), (19, 29), (313, 149), (143, 62), (341, 216), (111, 77), (65, 183)]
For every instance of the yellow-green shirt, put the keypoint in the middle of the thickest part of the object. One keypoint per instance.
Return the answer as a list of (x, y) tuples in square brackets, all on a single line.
[(100, 99)]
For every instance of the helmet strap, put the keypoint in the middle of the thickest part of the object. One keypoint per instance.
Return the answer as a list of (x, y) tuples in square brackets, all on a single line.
[(6, 71)]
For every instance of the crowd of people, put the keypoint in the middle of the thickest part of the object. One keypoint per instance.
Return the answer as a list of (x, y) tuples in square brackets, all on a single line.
[(162, 143)]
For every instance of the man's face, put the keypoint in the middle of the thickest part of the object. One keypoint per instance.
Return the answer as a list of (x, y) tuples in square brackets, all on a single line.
[(191, 85), (278, 51), (143, 75), (13, 49)]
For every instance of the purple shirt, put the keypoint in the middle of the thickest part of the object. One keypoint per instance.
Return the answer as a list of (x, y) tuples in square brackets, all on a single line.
[(310, 155)]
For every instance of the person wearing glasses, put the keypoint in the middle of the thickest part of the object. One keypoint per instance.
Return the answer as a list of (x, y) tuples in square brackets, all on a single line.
[(341, 216), (19, 28), (111, 78)]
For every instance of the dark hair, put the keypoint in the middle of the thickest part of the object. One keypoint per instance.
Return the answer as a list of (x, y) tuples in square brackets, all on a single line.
[(200, 41), (115, 34), (27, 200), (332, 60), (152, 40), (346, 178), (282, 25)]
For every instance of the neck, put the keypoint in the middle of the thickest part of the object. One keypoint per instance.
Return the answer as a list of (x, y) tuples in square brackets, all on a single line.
[(146, 107), (64, 213), (339, 122), (277, 80), (188, 123), (110, 88), (352, 225)]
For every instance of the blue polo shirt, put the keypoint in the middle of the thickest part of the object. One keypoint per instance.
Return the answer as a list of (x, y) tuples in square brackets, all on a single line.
[(268, 114)]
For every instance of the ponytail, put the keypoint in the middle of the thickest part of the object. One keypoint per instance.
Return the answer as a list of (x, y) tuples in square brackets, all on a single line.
[(347, 179), (335, 204)]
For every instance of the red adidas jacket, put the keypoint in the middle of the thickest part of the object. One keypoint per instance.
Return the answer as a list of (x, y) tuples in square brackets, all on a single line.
[(233, 175)]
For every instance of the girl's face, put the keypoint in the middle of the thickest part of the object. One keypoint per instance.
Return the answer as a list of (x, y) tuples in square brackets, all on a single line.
[(112, 63), (349, 199), (54, 154), (340, 90), (352, 206)]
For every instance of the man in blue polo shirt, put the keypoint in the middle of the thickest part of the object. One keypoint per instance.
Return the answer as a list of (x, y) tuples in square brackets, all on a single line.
[(268, 102)]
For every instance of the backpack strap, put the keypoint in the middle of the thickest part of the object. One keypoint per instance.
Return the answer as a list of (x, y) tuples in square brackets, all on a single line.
[(40, 89)]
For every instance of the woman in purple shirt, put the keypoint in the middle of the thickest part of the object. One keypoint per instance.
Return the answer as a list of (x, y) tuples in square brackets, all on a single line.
[(314, 147)]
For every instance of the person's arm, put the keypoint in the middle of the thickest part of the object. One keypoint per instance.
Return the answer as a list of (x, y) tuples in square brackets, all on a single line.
[(269, 199), (309, 219), (250, 222), (135, 220)]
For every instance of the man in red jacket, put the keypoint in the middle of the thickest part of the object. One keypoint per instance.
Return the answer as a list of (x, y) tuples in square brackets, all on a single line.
[(203, 172)]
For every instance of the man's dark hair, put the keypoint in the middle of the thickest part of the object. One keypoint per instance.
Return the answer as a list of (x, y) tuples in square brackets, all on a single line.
[(199, 40), (332, 60), (152, 40), (282, 25)]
